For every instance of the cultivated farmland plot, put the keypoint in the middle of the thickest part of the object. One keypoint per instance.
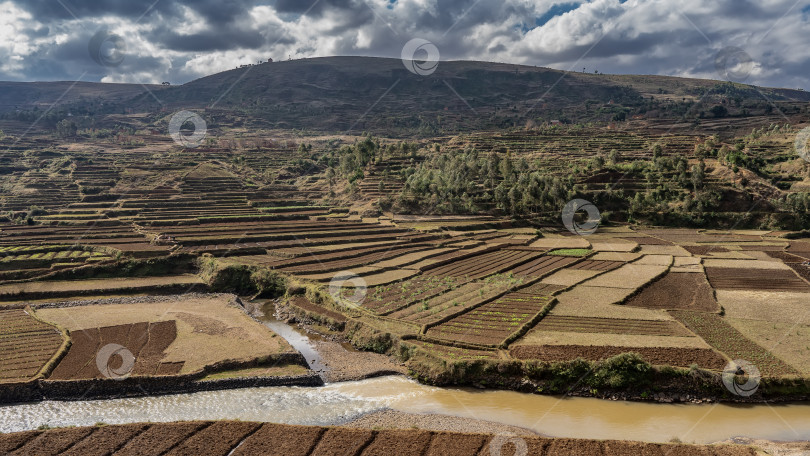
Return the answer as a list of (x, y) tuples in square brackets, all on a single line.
[(452, 294)]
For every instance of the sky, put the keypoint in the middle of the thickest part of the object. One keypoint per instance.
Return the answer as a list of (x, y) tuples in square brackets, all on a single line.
[(761, 42)]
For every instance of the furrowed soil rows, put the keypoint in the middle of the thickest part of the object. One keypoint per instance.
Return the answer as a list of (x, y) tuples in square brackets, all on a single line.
[(646, 240), (612, 326), (105, 440), (159, 438), (307, 305), (705, 249), (280, 439), (485, 264), (726, 339), (456, 353), (242, 439), (799, 264), (668, 356), (388, 298), (26, 344), (677, 290), (219, 438), (597, 265), (147, 342), (492, 323), (542, 266), (400, 442), (756, 279), (341, 264), (53, 442), (467, 295)]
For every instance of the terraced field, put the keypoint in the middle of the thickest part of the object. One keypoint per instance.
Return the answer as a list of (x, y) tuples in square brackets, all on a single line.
[(492, 323), (26, 345), (756, 279), (146, 342), (245, 438), (726, 339)]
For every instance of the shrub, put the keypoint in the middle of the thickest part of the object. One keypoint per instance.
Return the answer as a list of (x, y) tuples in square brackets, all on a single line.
[(621, 371), (269, 284)]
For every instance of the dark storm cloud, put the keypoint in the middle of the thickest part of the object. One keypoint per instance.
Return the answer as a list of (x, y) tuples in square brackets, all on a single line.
[(213, 10), (179, 40), (316, 8), (211, 40)]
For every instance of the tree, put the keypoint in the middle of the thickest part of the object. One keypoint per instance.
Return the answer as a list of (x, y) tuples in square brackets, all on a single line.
[(613, 157), (66, 128), (698, 175), (719, 111), (657, 150)]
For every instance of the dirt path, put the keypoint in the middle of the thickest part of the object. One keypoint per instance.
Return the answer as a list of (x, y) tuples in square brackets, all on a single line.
[(348, 364)]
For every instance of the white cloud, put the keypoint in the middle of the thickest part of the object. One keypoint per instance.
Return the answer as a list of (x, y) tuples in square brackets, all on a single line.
[(636, 36)]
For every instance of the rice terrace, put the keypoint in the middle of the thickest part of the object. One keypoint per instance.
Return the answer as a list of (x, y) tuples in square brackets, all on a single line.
[(399, 256)]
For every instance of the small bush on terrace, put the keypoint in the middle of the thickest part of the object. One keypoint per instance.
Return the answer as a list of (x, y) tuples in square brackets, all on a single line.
[(269, 284), (621, 371)]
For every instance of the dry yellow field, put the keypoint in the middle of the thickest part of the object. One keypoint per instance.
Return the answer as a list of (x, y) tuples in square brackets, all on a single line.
[(781, 306), (535, 337), (101, 285), (569, 277), (588, 301), (209, 330), (790, 341), (629, 276), (746, 264)]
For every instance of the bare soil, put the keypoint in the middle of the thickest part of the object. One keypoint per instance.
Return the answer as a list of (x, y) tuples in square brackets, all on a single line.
[(105, 440), (756, 279), (677, 290), (612, 326), (160, 438), (240, 439), (146, 341), (26, 344)]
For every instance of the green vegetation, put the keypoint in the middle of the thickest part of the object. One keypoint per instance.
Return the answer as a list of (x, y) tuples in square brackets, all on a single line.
[(570, 252)]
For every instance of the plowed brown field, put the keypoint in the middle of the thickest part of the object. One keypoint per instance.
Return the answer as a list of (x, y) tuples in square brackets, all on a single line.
[(146, 341), (269, 439), (612, 326), (756, 279), (677, 290)]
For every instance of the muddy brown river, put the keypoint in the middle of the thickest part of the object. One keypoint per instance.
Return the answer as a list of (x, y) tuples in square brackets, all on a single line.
[(338, 403), (341, 402)]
